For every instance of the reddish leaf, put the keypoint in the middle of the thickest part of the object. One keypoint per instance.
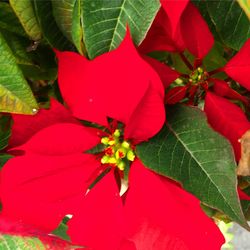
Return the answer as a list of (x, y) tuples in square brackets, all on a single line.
[(175, 94), (121, 77), (239, 66), (195, 32), (25, 126), (157, 223), (227, 119), (50, 179), (242, 195), (166, 74), (160, 37), (98, 222), (174, 10), (19, 235), (221, 88)]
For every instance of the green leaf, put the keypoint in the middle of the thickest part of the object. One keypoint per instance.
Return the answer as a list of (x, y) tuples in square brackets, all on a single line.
[(5, 131), (15, 93), (20, 242), (4, 158), (230, 21), (245, 5), (67, 15), (189, 151), (54, 36), (9, 21), (8, 242), (104, 22), (18, 45), (25, 13), (61, 231)]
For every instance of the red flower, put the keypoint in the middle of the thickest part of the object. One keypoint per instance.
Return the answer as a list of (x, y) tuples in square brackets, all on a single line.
[(53, 176), (225, 117)]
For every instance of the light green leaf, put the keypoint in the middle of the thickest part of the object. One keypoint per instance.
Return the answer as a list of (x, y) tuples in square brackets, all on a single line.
[(67, 15), (189, 151), (104, 22), (25, 13), (15, 93), (41, 242), (245, 5), (8, 242)]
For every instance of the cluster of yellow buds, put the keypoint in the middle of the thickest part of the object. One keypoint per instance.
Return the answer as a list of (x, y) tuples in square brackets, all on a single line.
[(117, 150), (198, 75)]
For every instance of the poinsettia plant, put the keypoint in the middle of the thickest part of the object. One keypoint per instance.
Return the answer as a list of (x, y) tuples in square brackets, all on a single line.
[(124, 124)]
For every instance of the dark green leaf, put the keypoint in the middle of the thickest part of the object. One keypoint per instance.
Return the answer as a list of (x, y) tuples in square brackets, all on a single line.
[(15, 93), (4, 158), (96, 149), (230, 21), (189, 151), (104, 22), (25, 13), (5, 131), (61, 231), (43, 10), (9, 21), (67, 15)]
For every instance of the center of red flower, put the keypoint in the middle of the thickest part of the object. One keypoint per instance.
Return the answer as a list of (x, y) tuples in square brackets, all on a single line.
[(198, 75), (117, 151)]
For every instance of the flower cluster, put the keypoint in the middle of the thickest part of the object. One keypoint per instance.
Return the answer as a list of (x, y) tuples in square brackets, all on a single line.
[(81, 162)]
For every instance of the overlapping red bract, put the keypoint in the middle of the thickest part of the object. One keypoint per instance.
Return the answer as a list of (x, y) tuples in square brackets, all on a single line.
[(197, 38), (55, 173)]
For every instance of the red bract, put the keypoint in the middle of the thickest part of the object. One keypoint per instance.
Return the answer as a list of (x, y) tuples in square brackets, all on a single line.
[(53, 176)]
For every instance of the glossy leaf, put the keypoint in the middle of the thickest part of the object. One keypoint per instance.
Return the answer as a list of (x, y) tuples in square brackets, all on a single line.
[(104, 22), (25, 13), (15, 94), (230, 21), (189, 151), (51, 32), (67, 16)]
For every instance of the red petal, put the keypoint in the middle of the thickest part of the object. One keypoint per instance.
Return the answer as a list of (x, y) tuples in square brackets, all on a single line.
[(163, 216), (227, 119), (174, 10), (148, 118), (98, 223), (196, 34), (112, 85), (166, 74), (25, 126), (239, 66), (61, 139), (159, 36), (41, 190), (175, 94), (242, 195), (221, 88)]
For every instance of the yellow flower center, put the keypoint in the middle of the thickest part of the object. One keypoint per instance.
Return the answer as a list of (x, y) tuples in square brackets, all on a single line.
[(117, 151), (198, 75)]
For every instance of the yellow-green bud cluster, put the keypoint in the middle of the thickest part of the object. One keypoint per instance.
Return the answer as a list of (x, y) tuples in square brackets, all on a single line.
[(197, 75), (117, 150)]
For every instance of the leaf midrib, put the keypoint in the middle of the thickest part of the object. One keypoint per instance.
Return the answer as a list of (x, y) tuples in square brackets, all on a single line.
[(197, 161)]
